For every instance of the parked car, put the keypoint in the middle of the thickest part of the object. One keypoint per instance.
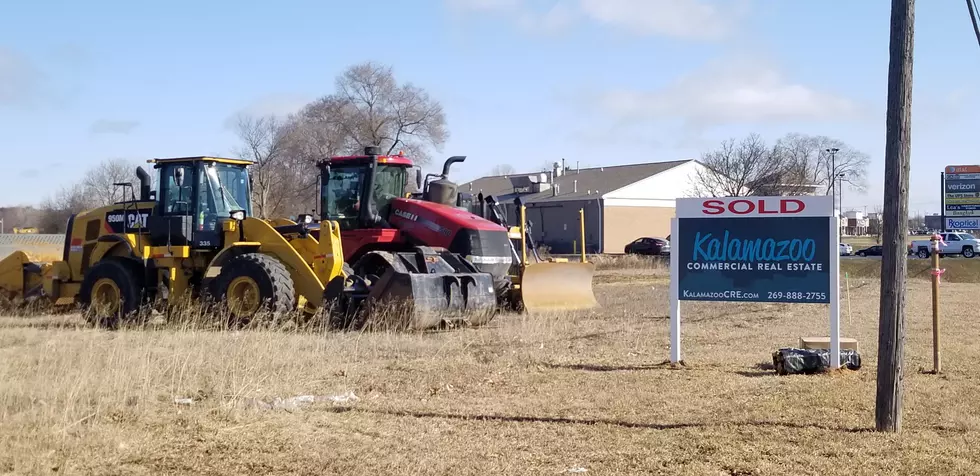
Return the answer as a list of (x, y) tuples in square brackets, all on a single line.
[(845, 249), (874, 250), (953, 244), (648, 246)]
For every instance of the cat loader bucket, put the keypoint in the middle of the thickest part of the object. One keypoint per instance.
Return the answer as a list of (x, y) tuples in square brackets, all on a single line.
[(555, 284)]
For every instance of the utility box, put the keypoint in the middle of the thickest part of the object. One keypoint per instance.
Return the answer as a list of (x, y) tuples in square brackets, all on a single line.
[(824, 343)]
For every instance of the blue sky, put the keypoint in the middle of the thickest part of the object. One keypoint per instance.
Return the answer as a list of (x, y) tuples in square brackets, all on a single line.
[(523, 82)]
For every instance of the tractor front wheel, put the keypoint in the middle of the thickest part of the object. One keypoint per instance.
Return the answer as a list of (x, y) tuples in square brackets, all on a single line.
[(111, 292), (252, 283)]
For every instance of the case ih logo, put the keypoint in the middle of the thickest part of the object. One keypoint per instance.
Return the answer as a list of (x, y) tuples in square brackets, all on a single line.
[(406, 215)]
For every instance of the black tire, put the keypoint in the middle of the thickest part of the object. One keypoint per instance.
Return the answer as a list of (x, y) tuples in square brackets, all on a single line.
[(276, 290), (923, 253), (968, 252), (128, 279), (861, 254)]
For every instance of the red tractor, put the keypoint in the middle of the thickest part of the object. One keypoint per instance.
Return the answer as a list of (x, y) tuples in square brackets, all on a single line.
[(383, 227)]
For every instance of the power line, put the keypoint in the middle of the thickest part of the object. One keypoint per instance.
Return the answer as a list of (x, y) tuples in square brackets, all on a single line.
[(972, 6)]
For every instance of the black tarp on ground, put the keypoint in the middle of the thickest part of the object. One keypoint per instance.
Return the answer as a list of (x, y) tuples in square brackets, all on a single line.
[(807, 361)]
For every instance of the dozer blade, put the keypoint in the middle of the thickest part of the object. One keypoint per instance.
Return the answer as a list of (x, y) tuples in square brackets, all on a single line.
[(557, 286)]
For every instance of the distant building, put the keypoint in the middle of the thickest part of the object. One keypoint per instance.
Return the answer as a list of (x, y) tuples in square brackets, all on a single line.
[(934, 222), (855, 223), (621, 203)]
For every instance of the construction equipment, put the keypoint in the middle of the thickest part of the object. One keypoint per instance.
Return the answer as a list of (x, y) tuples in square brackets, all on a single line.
[(552, 283), (366, 195), (194, 240)]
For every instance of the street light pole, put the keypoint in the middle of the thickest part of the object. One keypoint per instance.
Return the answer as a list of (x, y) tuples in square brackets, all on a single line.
[(840, 178), (833, 182)]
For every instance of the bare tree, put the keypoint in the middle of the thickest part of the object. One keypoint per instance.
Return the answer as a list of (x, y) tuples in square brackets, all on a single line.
[(874, 224), (99, 182), (19, 217), (736, 169), (815, 166), (796, 164), (503, 169), (369, 107), (373, 109), (56, 209), (264, 141), (95, 189)]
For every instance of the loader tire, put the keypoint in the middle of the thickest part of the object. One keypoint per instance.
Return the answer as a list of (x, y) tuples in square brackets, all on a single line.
[(112, 291), (251, 283)]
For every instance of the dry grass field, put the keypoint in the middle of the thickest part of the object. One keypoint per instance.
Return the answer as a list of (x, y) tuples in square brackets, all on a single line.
[(543, 394)]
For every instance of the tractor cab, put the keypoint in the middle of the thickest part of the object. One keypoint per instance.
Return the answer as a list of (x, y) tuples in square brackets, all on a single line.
[(357, 191), (194, 196)]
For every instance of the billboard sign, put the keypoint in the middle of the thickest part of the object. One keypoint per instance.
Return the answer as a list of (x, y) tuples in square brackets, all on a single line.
[(755, 249), (956, 223), (961, 197)]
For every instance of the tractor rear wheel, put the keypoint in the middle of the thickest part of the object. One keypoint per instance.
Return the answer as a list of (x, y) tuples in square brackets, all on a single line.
[(251, 283), (111, 291)]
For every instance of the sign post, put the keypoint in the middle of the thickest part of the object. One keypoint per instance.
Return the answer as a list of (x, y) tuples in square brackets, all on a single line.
[(755, 249)]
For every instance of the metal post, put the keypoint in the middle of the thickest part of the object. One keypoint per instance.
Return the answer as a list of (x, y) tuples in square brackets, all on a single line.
[(835, 297), (523, 233), (581, 221), (936, 362), (675, 303)]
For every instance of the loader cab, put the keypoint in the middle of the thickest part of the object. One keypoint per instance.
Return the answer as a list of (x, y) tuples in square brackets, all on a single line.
[(194, 196), (357, 191)]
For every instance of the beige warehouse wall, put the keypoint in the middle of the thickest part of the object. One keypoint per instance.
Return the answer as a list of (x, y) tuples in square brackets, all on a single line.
[(622, 225)]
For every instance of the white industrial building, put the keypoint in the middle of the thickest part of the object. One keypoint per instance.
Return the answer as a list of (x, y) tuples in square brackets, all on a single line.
[(621, 203)]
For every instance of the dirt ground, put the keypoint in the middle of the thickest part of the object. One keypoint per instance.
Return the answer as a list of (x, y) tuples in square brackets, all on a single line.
[(547, 394)]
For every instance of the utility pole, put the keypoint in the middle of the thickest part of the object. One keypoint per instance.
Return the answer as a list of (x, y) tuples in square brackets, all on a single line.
[(898, 135)]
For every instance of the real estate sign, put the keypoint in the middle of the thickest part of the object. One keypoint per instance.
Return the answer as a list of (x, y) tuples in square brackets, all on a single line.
[(755, 249), (961, 197), (762, 249)]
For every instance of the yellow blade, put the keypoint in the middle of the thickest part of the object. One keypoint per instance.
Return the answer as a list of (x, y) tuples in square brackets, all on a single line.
[(558, 286)]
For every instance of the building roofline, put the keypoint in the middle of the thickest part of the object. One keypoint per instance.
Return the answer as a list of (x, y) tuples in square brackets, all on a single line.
[(571, 171)]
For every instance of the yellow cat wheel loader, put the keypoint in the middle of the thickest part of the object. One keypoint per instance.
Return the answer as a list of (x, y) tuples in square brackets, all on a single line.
[(194, 240)]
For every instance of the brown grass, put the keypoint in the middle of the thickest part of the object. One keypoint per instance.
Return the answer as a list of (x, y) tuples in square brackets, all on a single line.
[(526, 395)]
